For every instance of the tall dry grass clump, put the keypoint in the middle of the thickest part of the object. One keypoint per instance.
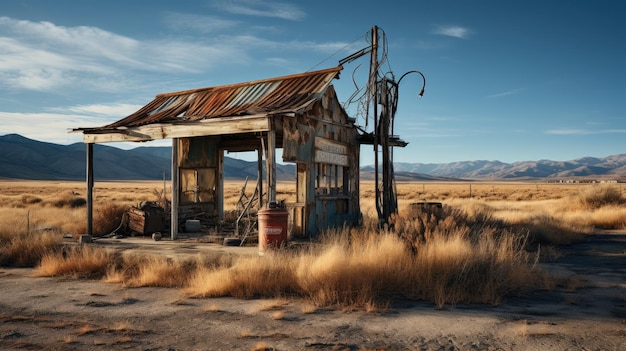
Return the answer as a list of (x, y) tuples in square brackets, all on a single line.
[(27, 249), (65, 199), (355, 267), (464, 257), (245, 277), (449, 268), (432, 256), (599, 196), (155, 271), (77, 262), (544, 222), (20, 244), (599, 206), (107, 218)]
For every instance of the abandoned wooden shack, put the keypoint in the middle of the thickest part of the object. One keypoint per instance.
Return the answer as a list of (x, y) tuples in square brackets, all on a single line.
[(299, 113)]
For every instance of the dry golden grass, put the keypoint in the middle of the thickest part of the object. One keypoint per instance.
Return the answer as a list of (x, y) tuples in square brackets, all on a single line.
[(473, 250), (246, 278), (77, 262), (363, 268), (25, 237), (157, 271)]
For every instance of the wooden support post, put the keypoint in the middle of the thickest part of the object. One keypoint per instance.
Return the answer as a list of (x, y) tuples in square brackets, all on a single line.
[(271, 165), (219, 196), (90, 189), (175, 190), (373, 91), (260, 173)]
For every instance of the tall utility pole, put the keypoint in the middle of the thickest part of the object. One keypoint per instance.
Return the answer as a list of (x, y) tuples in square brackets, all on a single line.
[(381, 105), (372, 86), (381, 92)]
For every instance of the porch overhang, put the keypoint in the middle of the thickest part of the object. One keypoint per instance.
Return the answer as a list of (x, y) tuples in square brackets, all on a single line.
[(156, 131)]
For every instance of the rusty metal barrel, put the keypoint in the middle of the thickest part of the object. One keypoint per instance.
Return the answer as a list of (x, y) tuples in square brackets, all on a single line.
[(273, 226)]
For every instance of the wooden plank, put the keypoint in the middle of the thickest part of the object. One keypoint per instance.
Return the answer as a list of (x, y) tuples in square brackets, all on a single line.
[(331, 146), (213, 126), (331, 152), (331, 158)]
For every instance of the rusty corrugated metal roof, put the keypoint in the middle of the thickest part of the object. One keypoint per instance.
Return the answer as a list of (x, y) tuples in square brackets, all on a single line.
[(274, 95)]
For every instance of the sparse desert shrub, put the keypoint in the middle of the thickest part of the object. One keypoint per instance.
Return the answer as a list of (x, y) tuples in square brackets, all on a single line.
[(421, 224), (370, 269), (27, 249), (157, 271), (609, 217), (77, 202), (65, 199), (107, 218), (544, 229), (76, 261), (136, 270), (28, 199), (599, 196), (248, 277), (451, 269)]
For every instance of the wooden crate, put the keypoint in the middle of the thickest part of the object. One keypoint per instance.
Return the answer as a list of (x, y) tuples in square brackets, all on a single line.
[(146, 221)]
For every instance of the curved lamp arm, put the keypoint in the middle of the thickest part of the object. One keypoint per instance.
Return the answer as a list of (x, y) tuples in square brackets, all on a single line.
[(421, 93)]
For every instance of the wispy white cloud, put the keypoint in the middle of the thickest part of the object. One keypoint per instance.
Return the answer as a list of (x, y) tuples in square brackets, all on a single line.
[(505, 93), (43, 56), (114, 111), (261, 8), (198, 23), (572, 131), (452, 31)]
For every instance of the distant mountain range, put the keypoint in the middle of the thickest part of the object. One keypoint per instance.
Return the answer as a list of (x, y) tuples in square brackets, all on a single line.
[(611, 167), (23, 158)]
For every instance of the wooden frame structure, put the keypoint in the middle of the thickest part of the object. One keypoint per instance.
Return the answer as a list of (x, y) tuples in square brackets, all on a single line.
[(299, 113)]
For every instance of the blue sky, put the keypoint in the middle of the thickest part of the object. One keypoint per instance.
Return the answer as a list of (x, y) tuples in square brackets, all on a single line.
[(506, 80)]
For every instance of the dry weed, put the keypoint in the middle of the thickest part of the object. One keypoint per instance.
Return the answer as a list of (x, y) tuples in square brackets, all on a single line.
[(77, 262), (156, 271), (361, 268), (27, 249)]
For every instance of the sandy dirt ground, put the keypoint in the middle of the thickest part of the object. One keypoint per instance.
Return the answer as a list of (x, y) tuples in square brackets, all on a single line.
[(587, 314)]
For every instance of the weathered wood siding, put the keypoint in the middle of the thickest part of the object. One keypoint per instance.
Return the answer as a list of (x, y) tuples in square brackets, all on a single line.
[(323, 142)]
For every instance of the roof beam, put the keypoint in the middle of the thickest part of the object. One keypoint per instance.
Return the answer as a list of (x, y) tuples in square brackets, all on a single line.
[(213, 126)]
